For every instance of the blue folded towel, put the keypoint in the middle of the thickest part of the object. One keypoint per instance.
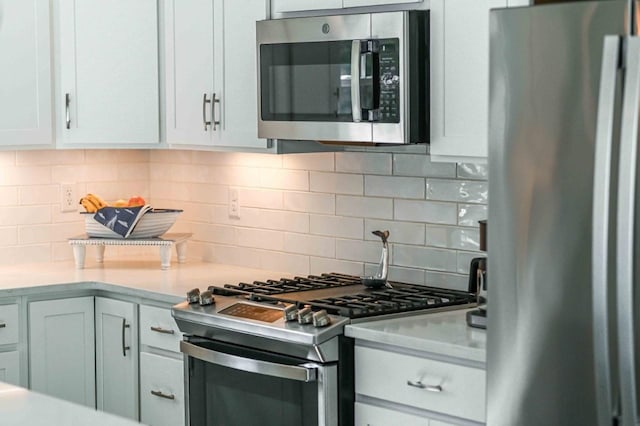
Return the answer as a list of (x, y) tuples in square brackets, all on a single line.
[(121, 220)]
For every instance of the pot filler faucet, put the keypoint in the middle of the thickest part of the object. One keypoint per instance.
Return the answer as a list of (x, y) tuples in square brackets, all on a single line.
[(380, 278)]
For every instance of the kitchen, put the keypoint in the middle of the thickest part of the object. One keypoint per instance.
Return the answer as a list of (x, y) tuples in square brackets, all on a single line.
[(256, 209)]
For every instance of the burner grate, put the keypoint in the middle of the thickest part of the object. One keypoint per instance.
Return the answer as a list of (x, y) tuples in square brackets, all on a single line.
[(362, 302)]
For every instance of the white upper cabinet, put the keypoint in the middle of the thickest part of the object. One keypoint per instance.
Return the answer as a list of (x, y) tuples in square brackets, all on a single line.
[(189, 38), (280, 6), (25, 73), (236, 71), (283, 6), (211, 87), (108, 93), (460, 78)]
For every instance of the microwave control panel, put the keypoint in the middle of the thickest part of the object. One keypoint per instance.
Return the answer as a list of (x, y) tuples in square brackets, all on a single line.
[(389, 80)]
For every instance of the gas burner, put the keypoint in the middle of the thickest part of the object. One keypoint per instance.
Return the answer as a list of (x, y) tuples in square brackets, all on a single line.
[(344, 295)]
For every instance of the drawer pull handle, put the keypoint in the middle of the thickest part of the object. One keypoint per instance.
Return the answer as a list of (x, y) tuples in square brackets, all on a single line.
[(3, 325), (162, 330), (418, 384), (163, 395)]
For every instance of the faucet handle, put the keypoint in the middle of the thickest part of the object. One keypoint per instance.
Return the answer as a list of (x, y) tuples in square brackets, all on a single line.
[(384, 235)]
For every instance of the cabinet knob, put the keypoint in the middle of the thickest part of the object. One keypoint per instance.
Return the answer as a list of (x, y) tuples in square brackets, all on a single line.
[(3, 325)]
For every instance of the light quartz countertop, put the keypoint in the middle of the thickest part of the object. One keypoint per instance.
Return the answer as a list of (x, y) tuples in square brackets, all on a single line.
[(140, 278), (441, 333), (20, 407)]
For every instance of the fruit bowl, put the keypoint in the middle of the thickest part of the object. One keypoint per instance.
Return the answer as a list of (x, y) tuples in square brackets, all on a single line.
[(152, 224)]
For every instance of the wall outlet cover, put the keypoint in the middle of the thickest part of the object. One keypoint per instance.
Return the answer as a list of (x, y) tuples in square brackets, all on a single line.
[(68, 198)]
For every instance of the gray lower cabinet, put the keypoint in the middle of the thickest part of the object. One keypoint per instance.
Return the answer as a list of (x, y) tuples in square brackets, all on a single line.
[(116, 357), (9, 355), (10, 367), (62, 349), (161, 369)]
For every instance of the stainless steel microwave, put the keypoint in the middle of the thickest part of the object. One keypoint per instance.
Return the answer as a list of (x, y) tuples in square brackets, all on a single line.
[(349, 78)]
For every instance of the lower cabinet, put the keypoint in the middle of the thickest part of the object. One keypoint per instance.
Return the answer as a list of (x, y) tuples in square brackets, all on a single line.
[(161, 390), (103, 353), (415, 389), (9, 355), (371, 415), (62, 349), (10, 367), (116, 357), (161, 369)]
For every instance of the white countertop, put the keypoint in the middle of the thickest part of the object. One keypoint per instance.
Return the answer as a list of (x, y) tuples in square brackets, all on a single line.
[(441, 333), (20, 407), (142, 278)]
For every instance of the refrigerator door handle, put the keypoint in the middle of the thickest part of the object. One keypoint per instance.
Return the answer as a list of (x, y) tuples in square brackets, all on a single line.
[(600, 235), (625, 233)]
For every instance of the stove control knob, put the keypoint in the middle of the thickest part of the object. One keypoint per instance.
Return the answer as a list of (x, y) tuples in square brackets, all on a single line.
[(206, 298), (193, 296), (321, 319), (305, 316), (290, 313)]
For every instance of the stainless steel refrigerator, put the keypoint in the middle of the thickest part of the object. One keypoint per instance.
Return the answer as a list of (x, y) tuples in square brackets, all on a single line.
[(563, 295)]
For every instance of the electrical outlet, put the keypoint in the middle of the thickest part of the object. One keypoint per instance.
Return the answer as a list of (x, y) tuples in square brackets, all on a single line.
[(68, 198), (234, 203)]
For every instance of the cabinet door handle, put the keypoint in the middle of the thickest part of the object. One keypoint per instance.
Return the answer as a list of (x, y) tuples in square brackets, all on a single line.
[(205, 101), (418, 384), (162, 330), (124, 348), (214, 101), (67, 102), (3, 325), (163, 395)]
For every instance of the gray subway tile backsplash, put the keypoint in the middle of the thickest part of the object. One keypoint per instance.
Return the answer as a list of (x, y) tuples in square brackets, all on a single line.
[(431, 210)]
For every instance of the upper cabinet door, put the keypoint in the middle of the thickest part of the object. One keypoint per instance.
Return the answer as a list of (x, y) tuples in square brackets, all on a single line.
[(25, 73), (358, 3), (189, 36), (108, 72), (460, 78), (300, 5), (236, 72)]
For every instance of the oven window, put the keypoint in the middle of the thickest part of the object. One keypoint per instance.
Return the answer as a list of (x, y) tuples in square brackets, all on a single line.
[(306, 81), (220, 395)]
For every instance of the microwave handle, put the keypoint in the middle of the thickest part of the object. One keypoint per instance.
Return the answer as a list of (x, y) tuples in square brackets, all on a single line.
[(369, 53), (356, 110)]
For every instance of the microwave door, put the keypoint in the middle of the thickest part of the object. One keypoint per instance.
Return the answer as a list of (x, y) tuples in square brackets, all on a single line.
[(306, 86)]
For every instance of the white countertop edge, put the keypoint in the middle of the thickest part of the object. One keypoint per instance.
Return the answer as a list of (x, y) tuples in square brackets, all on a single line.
[(442, 333), (20, 407)]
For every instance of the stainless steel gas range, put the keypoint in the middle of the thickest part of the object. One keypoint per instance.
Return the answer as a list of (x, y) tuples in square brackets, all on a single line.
[(274, 352)]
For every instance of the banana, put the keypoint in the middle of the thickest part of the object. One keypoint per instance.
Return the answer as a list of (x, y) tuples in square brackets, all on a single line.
[(92, 203)]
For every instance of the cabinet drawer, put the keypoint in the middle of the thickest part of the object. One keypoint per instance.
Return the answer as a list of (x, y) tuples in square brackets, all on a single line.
[(370, 415), (8, 324), (423, 383), (10, 367), (161, 390), (158, 329)]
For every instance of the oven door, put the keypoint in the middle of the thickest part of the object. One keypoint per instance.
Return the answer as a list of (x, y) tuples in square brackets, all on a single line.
[(228, 384), (321, 79)]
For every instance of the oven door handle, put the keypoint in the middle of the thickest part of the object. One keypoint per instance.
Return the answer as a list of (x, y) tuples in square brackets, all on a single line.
[(307, 372)]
